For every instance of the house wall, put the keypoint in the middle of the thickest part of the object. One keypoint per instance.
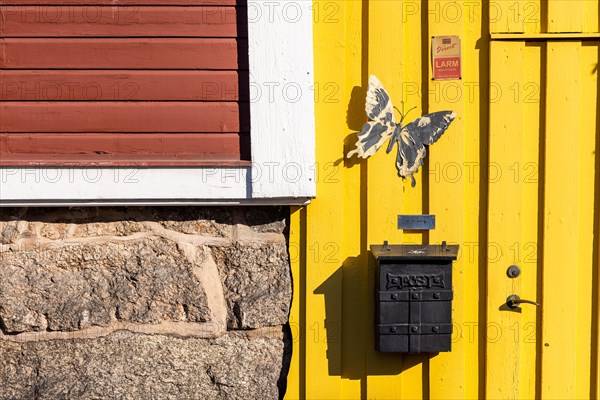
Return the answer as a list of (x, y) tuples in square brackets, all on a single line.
[(514, 180), (124, 83), (153, 303)]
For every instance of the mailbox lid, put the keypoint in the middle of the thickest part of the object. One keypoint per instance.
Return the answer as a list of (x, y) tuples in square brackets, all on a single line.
[(414, 252)]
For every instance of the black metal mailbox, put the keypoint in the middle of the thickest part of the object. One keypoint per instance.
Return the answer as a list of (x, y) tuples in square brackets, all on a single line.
[(414, 297)]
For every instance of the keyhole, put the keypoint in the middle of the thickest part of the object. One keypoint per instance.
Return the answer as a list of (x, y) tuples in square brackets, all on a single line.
[(513, 271)]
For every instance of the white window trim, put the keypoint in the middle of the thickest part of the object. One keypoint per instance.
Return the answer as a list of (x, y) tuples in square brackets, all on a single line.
[(282, 137)]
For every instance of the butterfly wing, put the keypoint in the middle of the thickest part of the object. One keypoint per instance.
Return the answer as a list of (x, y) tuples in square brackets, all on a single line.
[(380, 110), (411, 153), (431, 126), (395, 137), (378, 105), (425, 130)]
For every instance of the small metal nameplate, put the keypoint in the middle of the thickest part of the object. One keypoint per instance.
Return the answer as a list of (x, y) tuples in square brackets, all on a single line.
[(416, 222)]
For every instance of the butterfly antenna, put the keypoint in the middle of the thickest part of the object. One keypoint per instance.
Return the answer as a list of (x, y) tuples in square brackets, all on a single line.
[(399, 112), (404, 115)]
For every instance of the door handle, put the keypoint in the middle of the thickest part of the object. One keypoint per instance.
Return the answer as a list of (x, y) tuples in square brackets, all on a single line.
[(513, 301)]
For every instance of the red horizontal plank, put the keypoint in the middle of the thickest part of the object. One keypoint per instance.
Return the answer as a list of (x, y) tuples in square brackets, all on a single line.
[(80, 21), (120, 160), (118, 53), (102, 117), (19, 85), (120, 143), (125, 2)]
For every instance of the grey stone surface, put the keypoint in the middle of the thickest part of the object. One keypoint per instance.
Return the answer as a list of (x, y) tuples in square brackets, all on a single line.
[(257, 284), (266, 219), (66, 271), (213, 221), (115, 221), (76, 286), (128, 366), (8, 231)]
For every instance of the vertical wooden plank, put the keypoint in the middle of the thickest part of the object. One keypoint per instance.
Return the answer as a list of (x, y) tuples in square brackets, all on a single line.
[(448, 374), (561, 332), (504, 223), (297, 251), (412, 95), (585, 253), (415, 367), (566, 15), (356, 317), (475, 74), (595, 392), (325, 218), (507, 16), (591, 21), (533, 15), (512, 220), (385, 41), (516, 16), (526, 253)]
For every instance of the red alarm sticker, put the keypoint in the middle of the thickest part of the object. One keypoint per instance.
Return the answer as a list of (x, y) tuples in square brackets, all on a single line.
[(445, 51)]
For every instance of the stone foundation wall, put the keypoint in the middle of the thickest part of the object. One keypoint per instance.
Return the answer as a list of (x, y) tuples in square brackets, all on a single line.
[(144, 303)]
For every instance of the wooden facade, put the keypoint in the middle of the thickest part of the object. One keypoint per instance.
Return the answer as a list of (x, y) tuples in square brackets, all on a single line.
[(143, 83), (515, 180)]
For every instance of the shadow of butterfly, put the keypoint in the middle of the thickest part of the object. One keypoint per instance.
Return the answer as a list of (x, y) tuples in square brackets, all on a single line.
[(411, 138)]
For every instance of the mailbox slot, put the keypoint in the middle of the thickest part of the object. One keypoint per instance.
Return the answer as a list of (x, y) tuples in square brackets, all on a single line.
[(414, 298)]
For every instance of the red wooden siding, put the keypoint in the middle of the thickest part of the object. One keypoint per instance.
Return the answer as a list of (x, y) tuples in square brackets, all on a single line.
[(125, 21), (154, 149), (19, 85), (152, 83), (123, 2), (119, 117), (118, 53)]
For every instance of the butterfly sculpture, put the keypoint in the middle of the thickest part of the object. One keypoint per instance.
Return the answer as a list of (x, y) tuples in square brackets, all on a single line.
[(411, 138)]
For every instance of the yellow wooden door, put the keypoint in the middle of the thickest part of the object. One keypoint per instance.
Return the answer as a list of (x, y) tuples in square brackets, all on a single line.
[(541, 207), (542, 161)]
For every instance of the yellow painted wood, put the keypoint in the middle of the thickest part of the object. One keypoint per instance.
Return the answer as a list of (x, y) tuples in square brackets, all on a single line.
[(585, 255), (411, 93), (325, 216), (591, 12), (447, 200), (513, 144), (415, 384), (521, 16), (514, 16), (504, 223), (354, 247), (565, 16), (296, 380), (471, 267), (527, 251), (561, 224), (384, 187), (545, 36), (528, 114)]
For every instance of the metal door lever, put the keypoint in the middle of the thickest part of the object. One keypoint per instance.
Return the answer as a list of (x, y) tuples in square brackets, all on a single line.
[(513, 301)]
